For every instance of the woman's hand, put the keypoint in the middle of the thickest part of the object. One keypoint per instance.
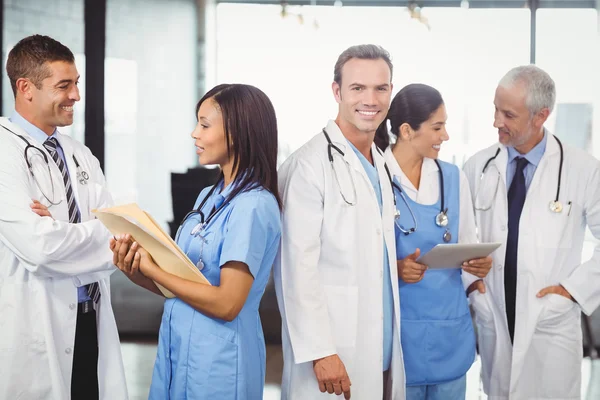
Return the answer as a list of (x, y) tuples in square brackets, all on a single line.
[(479, 267), (147, 264), (127, 256), (409, 270)]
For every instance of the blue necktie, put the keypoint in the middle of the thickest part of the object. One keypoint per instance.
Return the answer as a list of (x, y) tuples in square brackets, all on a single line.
[(516, 199), (51, 144)]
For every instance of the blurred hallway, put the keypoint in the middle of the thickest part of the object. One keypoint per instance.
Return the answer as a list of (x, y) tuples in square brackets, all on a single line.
[(139, 360)]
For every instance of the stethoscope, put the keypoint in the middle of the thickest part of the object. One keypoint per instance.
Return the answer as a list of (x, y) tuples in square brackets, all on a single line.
[(330, 147), (201, 226), (555, 205), (441, 219), (82, 176)]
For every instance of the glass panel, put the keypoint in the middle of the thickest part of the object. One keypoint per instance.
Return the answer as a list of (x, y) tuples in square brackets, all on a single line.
[(568, 48), (150, 98), (461, 52)]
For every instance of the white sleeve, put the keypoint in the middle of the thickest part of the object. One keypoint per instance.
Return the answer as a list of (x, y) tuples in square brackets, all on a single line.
[(302, 298), (582, 284), (44, 246), (103, 199), (467, 230)]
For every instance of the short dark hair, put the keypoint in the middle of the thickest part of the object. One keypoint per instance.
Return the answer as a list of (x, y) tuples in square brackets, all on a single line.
[(413, 105), (250, 127), (28, 58), (363, 52)]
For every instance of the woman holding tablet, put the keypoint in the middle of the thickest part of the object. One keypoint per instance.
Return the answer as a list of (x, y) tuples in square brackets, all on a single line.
[(434, 204)]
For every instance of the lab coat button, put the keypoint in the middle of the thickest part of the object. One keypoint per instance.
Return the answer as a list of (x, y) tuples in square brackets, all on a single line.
[(503, 227), (500, 266), (68, 350), (72, 306), (378, 231)]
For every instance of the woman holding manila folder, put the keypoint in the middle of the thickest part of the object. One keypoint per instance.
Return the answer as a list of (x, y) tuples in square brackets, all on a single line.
[(211, 344)]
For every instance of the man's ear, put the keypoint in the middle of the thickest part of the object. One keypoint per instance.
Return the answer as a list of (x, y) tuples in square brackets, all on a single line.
[(337, 92), (540, 118), (24, 88)]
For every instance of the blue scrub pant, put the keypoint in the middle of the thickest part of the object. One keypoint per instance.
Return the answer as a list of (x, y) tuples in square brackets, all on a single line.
[(453, 390)]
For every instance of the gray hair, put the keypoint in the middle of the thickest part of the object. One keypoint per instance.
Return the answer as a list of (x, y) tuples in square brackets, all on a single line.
[(363, 52), (541, 90)]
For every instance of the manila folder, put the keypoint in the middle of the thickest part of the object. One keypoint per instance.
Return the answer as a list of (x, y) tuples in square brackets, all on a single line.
[(130, 218)]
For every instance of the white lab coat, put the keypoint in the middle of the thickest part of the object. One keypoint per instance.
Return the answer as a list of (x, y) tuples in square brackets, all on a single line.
[(545, 361), (42, 262), (329, 271)]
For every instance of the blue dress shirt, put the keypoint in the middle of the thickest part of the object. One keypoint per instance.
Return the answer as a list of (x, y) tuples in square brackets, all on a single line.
[(388, 300), (534, 157)]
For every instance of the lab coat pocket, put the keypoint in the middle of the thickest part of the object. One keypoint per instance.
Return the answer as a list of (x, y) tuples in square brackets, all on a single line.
[(22, 318), (343, 312), (483, 311), (486, 335), (557, 310), (23, 340), (557, 228), (558, 341)]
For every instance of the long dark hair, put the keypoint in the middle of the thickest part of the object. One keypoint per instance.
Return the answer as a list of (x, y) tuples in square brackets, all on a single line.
[(250, 127), (412, 105)]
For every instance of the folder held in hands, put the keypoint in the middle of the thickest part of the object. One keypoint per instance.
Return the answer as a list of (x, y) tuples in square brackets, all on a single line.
[(131, 219)]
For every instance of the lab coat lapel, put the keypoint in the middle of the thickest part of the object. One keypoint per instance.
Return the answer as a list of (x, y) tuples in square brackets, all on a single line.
[(350, 157), (501, 162), (551, 155)]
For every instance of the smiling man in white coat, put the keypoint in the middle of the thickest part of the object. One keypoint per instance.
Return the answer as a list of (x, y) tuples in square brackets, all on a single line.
[(58, 337), (536, 195), (336, 276)]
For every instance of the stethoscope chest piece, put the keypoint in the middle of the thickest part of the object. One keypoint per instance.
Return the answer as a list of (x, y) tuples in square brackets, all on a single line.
[(556, 206), (83, 177), (200, 265), (441, 219), (447, 236)]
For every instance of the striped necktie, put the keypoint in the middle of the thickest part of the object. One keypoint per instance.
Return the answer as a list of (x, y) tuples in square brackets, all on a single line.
[(51, 144)]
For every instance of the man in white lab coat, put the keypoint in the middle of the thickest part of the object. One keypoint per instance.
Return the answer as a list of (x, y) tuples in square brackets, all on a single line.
[(536, 196), (336, 276), (58, 337)]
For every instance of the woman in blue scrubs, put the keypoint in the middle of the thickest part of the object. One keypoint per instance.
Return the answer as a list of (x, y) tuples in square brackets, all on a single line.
[(211, 344), (433, 197)]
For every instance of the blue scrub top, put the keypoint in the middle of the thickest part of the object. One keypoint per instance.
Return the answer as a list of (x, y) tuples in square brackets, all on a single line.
[(200, 357), (437, 336), (388, 297)]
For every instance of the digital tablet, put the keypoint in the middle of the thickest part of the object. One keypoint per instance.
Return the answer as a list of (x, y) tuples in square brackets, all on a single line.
[(445, 256)]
